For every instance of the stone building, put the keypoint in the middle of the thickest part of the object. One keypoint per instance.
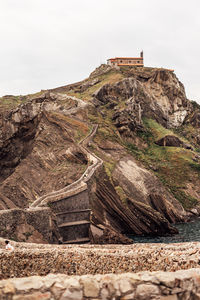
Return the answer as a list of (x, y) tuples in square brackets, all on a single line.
[(127, 61)]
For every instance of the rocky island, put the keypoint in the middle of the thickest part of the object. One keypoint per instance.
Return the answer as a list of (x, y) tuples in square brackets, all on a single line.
[(92, 162)]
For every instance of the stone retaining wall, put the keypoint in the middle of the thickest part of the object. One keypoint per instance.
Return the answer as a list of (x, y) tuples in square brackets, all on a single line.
[(180, 285), (29, 225), (85, 263)]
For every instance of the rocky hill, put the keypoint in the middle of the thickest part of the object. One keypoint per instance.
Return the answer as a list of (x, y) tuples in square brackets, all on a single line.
[(148, 138)]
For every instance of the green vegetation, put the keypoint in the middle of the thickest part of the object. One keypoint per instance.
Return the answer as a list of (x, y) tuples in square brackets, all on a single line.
[(106, 129), (186, 200), (31, 96), (121, 194), (173, 166), (110, 77), (109, 167), (156, 130), (9, 102)]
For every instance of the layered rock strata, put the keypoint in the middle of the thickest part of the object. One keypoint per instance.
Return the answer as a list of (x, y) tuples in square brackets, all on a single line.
[(161, 96)]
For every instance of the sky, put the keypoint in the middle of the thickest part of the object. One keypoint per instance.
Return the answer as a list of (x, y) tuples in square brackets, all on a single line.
[(46, 43)]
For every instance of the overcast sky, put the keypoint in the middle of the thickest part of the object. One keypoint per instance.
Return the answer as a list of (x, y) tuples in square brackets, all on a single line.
[(47, 43)]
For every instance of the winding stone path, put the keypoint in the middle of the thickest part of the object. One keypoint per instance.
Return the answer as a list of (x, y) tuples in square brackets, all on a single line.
[(76, 228)]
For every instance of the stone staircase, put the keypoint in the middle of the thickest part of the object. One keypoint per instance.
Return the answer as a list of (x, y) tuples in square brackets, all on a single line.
[(71, 204), (75, 232), (71, 228), (73, 216)]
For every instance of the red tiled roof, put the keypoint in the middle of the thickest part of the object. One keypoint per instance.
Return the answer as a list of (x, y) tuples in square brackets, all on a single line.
[(137, 64), (125, 58)]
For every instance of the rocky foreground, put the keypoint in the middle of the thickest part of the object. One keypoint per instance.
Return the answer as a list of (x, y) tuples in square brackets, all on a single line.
[(34, 259), (129, 286), (104, 272)]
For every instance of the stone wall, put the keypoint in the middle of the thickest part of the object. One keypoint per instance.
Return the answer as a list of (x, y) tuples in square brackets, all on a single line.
[(98, 272), (29, 225), (77, 201), (180, 285), (33, 259)]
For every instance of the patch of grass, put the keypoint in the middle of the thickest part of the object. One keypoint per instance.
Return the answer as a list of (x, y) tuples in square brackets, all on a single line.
[(157, 130), (187, 133), (146, 135), (109, 167), (133, 149), (31, 96), (121, 194), (110, 77), (186, 200), (12, 101), (106, 132)]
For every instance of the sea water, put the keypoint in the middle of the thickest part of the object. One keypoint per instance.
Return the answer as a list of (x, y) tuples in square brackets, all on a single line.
[(188, 232)]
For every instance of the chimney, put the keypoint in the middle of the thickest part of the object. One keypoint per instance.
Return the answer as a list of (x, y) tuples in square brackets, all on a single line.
[(141, 54)]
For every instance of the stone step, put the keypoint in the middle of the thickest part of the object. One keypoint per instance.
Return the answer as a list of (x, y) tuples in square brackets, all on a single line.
[(73, 216), (72, 211), (76, 223), (78, 241), (74, 230)]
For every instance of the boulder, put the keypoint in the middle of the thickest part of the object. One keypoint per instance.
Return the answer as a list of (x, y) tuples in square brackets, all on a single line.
[(172, 141)]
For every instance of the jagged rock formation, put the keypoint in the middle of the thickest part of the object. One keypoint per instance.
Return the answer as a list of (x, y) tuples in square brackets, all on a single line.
[(172, 141), (134, 216), (160, 96), (143, 187), (41, 156)]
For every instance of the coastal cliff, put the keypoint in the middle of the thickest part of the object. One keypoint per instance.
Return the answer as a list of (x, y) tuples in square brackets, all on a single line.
[(147, 137)]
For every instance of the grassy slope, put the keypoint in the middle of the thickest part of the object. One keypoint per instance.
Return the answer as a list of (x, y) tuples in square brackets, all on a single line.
[(110, 77), (174, 166), (9, 102)]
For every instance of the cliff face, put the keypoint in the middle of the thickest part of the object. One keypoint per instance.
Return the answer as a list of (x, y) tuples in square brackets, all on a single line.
[(144, 185), (34, 140), (159, 96)]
